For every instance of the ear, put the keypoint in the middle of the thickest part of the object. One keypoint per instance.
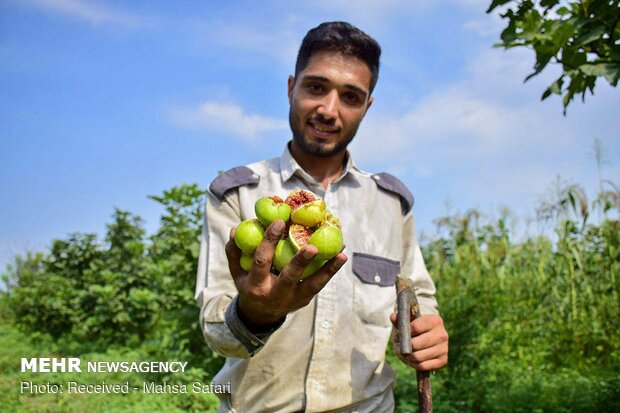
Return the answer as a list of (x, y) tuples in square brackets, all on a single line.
[(370, 100), (290, 86)]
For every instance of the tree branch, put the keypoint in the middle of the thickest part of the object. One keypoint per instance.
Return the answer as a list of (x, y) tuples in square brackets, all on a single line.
[(612, 39)]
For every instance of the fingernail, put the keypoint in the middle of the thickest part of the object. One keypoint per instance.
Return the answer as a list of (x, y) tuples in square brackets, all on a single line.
[(278, 225), (308, 253)]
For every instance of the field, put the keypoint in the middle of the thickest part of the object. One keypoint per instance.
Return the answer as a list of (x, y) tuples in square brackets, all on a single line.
[(534, 323)]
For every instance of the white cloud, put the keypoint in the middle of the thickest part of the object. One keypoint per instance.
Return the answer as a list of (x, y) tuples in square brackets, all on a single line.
[(448, 126), (87, 11), (487, 139), (489, 26), (368, 11), (247, 42), (226, 118)]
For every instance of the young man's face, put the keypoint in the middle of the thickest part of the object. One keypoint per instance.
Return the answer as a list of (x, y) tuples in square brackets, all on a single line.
[(328, 100)]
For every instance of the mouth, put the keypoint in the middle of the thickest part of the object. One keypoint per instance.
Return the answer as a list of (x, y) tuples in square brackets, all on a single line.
[(321, 130)]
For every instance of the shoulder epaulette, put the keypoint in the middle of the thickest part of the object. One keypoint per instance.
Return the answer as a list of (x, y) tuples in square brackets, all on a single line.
[(233, 178), (392, 184)]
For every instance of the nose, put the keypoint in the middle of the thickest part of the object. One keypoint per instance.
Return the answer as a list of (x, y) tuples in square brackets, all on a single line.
[(328, 107)]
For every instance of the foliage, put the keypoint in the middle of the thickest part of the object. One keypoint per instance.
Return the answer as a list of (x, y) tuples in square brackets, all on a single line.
[(173, 253), (127, 291), (15, 344), (534, 324), (582, 36)]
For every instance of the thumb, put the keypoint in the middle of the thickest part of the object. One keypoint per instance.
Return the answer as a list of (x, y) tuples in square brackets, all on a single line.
[(394, 319)]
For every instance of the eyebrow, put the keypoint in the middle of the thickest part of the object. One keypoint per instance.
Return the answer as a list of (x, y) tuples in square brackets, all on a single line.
[(348, 85)]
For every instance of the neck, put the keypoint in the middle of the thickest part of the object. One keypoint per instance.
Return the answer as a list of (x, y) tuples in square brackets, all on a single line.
[(323, 169)]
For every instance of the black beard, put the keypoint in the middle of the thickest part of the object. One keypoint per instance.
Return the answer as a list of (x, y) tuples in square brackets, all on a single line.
[(316, 149)]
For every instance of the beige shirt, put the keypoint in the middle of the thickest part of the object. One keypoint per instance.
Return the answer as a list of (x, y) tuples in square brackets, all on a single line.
[(329, 355)]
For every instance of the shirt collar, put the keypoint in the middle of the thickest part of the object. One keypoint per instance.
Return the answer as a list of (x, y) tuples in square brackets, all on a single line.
[(289, 166)]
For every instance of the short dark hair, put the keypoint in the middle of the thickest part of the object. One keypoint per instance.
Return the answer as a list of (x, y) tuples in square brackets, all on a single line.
[(344, 38)]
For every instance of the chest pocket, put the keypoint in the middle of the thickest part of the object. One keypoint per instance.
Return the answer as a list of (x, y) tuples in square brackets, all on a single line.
[(374, 294)]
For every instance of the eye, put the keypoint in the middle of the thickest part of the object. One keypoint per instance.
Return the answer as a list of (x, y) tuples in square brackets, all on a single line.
[(351, 98), (314, 88)]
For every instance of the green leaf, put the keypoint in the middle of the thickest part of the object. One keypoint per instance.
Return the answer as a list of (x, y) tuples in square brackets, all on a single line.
[(531, 25), (195, 249), (572, 58), (549, 3), (592, 35), (555, 88), (541, 63), (497, 3), (509, 34), (562, 11), (562, 31), (609, 71)]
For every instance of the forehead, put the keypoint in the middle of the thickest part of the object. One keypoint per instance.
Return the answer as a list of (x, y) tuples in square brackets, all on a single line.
[(338, 68)]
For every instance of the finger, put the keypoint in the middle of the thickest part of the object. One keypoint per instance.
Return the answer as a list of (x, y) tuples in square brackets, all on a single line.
[(437, 336), (394, 319), (396, 341), (437, 351), (425, 323), (233, 255), (292, 272), (261, 266), (315, 283), (430, 365)]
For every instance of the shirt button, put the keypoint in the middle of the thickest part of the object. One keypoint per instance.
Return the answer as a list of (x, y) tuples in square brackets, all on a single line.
[(325, 324), (377, 278)]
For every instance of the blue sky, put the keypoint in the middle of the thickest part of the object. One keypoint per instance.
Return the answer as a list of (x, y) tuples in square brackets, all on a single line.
[(104, 103)]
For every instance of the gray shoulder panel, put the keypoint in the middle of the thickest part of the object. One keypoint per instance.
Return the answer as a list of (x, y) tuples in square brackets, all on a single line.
[(392, 184), (233, 178)]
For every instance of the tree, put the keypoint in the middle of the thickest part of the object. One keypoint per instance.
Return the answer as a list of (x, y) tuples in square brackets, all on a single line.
[(582, 36)]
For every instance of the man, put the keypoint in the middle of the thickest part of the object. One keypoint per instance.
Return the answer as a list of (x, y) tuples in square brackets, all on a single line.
[(317, 345)]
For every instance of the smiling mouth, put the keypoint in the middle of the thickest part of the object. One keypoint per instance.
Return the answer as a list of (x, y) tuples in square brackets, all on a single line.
[(322, 130)]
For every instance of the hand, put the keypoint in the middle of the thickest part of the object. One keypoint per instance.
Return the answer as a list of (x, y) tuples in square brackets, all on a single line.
[(266, 298), (429, 343)]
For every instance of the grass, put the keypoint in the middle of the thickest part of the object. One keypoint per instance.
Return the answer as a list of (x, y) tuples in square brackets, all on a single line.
[(534, 326), (14, 345)]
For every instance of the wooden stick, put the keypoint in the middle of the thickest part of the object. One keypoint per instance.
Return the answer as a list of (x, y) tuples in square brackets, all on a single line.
[(408, 305), (404, 301)]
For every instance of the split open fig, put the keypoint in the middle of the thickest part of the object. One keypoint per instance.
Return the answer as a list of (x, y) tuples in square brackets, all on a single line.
[(307, 209)]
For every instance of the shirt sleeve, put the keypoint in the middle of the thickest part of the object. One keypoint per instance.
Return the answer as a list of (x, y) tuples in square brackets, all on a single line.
[(414, 267), (215, 289)]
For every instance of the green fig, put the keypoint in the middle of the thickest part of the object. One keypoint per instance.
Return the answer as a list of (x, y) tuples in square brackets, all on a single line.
[(328, 240), (285, 251), (307, 209), (299, 235), (310, 214), (330, 219), (246, 262), (271, 209), (313, 267), (248, 235)]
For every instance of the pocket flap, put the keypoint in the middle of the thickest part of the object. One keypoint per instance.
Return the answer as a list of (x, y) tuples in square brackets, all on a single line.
[(372, 269)]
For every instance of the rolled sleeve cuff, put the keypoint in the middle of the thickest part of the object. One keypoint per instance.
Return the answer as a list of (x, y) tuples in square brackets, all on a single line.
[(253, 342)]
